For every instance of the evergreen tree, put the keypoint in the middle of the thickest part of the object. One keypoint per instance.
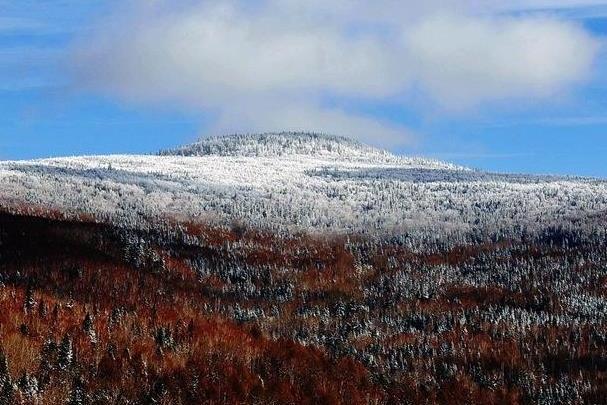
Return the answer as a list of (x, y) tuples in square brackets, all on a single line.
[(6, 384), (87, 327), (28, 384), (48, 360), (87, 324), (7, 394), (65, 355), (29, 301), (77, 394), (42, 309), (4, 371)]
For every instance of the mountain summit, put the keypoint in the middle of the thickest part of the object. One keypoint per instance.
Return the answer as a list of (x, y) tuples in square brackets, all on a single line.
[(305, 145), (272, 144)]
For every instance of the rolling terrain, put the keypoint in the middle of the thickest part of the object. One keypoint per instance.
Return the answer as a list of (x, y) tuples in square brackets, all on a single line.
[(298, 268)]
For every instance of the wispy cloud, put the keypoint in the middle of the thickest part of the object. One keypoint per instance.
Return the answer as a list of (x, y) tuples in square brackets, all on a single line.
[(564, 121), (530, 5), (269, 64), (569, 10), (19, 24), (479, 156)]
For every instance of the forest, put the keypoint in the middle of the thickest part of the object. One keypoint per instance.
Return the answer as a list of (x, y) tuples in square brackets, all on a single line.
[(93, 313)]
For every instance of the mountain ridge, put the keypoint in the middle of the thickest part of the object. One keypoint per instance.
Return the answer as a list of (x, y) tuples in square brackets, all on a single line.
[(300, 182)]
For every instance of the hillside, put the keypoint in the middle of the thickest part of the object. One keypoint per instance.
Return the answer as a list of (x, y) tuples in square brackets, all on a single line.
[(298, 183), (298, 268)]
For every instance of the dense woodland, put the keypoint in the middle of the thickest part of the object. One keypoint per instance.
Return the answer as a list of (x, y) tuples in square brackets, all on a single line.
[(298, 268), (98, 314)]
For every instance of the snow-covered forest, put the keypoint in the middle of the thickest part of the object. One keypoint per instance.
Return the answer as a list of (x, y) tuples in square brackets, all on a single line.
[(298, 268), (299, 182)]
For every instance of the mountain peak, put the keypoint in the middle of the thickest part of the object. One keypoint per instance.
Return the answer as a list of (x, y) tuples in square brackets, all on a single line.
[(276, 144)]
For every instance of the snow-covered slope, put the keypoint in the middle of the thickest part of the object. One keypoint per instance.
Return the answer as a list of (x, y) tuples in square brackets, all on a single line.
[(303, 182), (285, 144)]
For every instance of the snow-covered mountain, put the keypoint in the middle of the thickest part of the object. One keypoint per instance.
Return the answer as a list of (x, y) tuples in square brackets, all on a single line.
[(296, 181), (320, 146)]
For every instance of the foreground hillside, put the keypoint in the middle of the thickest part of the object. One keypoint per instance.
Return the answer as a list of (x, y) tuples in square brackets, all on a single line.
[(298, 268), (96, 314)]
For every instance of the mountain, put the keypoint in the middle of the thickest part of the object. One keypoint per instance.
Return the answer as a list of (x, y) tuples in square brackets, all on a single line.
[(294, 182), (298, 268), (285, 144)]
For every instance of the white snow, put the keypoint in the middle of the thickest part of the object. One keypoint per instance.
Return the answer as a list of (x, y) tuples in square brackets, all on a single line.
[(296, 182)]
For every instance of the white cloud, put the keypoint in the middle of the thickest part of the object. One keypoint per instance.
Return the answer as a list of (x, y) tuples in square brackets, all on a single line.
[(269, 64), (464, 61), (265, 115)]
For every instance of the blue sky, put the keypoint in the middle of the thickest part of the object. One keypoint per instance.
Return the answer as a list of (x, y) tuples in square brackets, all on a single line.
[(94, 78)]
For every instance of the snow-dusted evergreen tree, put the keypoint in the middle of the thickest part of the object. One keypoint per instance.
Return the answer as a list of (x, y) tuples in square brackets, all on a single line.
[(77, 393), (42, 309), (6, 384), (28, 385), (65, 354), (88, 328), (29, 300)]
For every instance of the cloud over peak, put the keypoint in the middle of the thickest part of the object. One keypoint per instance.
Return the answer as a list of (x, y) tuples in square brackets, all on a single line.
[(270, 65)]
